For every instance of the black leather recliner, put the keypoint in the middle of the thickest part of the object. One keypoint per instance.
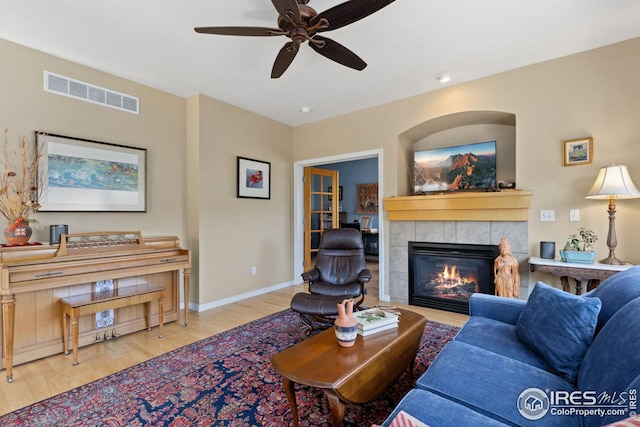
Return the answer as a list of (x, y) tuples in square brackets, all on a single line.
[(340, 272)]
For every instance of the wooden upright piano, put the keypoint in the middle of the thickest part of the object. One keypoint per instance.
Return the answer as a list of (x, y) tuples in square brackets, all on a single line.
[(34, 278)]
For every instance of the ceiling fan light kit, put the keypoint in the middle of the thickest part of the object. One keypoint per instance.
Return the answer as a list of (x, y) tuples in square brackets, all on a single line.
[(301, 23)]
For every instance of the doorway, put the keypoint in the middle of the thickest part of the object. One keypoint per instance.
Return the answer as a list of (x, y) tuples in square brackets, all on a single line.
[(299, 168)]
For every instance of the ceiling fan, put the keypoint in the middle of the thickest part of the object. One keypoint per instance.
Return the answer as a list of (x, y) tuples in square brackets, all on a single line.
[(301, 23)]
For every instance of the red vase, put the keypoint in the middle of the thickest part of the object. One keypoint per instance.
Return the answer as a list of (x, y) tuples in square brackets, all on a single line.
[(346, 326), (18, 232)]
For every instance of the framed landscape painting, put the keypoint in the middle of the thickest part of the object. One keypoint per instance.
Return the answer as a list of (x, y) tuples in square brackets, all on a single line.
[(577, 152), (79, 175)]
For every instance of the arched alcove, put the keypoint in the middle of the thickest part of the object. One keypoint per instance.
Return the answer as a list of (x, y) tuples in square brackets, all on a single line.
[(458, 129), (481, 218)]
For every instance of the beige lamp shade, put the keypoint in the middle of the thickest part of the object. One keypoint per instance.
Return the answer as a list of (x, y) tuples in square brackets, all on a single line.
[(613, 182)]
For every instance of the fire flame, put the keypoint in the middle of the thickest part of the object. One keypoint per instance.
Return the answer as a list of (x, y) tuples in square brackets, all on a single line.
[(450, 278)]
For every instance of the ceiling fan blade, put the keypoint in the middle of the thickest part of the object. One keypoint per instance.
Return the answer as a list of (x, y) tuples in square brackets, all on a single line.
[(348, 12), (284, 6), (336, 52), (239, 31), (284, 59)]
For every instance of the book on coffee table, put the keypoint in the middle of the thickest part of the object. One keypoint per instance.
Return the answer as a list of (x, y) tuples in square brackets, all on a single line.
[(378, 329), (375, 318)]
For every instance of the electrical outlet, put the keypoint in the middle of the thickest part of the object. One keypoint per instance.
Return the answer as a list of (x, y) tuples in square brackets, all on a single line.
[(574, 214), (254, 270), (547, 215)]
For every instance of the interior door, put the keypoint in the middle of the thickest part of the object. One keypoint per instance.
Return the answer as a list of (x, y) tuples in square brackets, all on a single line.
[(320, 202)]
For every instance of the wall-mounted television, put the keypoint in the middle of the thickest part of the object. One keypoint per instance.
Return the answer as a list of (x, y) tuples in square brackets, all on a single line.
[(462, 167)]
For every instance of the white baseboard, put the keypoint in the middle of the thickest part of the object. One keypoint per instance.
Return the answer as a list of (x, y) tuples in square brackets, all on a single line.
[(236, 298)]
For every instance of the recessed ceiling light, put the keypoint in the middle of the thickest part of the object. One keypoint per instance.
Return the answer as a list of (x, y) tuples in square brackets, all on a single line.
[(305, 109), (443, 77)]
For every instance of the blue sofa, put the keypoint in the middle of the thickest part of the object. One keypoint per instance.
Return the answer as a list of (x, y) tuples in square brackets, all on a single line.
[(554, 360)]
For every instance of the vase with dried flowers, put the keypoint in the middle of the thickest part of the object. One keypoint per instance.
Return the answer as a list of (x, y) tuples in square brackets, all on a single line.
[(19, 189)]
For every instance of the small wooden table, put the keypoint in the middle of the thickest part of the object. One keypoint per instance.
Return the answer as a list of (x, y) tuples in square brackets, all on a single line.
[(357, 374), (95, 302), (593, 273)]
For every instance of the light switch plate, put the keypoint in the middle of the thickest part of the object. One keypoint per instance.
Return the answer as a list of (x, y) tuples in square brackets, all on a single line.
[(574, 214), (547, 215)]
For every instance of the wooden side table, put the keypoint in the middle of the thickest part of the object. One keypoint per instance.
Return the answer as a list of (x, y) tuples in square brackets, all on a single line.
[(592, 273)]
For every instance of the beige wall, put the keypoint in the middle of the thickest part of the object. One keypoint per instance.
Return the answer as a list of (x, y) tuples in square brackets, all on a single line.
[(192, 192), (596, 93), (160, 128), (233, 234), (192, 147)]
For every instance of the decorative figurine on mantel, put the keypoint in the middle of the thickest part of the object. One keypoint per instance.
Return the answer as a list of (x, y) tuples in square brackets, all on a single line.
[(507, 277)]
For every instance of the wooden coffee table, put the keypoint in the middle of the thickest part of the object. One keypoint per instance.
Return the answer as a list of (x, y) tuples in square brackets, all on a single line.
[(357, 374)]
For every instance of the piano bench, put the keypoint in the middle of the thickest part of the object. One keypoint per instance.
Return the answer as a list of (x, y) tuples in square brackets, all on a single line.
[(95, 302)]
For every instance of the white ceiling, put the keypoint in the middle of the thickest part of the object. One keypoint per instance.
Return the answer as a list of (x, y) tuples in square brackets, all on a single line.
[(406, 44)]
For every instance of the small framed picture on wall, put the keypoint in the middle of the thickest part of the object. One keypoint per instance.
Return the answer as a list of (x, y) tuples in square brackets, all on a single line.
[(254, 179), (367, 202), (577, 152)]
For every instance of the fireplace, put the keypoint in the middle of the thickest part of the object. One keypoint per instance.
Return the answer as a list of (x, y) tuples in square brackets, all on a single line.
[(444, 275)]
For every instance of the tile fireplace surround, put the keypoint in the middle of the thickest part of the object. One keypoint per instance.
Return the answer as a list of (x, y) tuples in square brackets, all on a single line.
[(475, 218)]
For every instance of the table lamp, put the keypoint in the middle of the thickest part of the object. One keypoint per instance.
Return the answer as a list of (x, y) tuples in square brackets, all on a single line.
[(613, 182)]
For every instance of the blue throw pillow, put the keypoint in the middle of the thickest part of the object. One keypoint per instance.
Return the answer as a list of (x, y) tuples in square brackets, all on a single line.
[(559, 327)]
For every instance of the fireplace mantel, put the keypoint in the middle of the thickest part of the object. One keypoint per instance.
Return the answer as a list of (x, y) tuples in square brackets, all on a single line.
[(509, 205)]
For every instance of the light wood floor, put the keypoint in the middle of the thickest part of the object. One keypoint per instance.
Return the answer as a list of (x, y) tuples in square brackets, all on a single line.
[(40, 379)]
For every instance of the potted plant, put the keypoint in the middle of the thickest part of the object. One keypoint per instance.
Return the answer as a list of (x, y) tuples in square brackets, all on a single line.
[(18, 189), (579, 247)]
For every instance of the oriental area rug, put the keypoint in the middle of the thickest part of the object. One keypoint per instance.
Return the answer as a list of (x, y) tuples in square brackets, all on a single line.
[(223, 380)]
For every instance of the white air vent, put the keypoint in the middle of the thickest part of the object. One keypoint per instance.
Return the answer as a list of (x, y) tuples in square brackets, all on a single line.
[(66, 86)]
